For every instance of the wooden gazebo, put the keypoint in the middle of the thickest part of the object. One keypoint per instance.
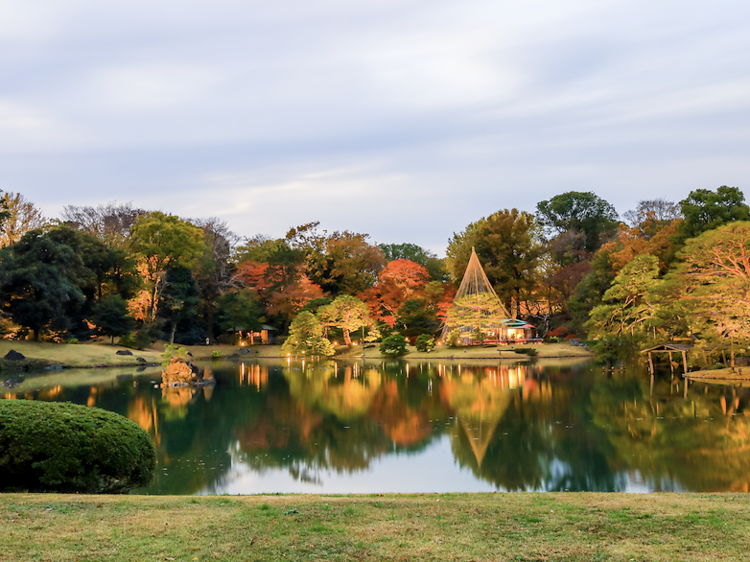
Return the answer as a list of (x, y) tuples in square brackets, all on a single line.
[(669, 348)]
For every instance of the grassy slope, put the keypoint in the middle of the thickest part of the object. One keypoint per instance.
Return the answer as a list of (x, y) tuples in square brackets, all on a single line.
[(76, 355), (555, 527)]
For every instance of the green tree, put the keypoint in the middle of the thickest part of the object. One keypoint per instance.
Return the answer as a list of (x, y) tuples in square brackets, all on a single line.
[(394, 345), (705, 210), (628, 305), (416, 317), (239, 311), (162, 242), (347, 313), (41, 280), (180, 299), (306, 335), (584, 218), (213, 271), (110, 315)]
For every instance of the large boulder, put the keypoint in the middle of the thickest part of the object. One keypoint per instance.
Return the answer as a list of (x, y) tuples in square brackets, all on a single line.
[(178, 373), (13, 355), (124, 352)]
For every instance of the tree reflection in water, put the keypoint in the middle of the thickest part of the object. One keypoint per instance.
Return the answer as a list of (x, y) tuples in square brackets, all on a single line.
[(522, 426)]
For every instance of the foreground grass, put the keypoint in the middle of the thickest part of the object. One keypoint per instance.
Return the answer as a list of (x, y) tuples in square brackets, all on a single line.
[(376, 527)]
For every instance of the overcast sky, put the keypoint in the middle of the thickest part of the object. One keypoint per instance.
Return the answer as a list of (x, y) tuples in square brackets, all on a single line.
[(405, 119)]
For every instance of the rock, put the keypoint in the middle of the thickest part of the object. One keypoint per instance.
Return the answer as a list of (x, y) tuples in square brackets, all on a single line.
[(178, 371), (141, 360), (13, 355), (124, 352), (243, 351)]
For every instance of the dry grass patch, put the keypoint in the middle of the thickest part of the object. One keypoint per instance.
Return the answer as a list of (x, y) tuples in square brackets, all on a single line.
[(77, 355), (377, 527)]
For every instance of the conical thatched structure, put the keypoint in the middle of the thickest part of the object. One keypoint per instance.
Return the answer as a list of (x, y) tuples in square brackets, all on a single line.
[(477, 313), (476, 308)]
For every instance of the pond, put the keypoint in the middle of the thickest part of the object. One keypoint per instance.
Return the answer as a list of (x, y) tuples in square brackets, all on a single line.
[(352, 427)]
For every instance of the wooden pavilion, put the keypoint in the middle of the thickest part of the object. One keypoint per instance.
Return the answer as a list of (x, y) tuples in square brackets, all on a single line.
[(668, 348)]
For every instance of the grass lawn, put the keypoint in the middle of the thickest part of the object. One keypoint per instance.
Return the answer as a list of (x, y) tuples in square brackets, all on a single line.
[(104, 354), (739, 374), (479, 527), (75, 355)]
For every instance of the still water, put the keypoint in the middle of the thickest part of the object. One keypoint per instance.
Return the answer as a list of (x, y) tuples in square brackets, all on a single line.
[(335, 427)]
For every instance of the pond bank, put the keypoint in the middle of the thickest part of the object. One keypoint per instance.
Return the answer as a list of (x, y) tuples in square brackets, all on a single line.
[(46, 355), (519, 526)]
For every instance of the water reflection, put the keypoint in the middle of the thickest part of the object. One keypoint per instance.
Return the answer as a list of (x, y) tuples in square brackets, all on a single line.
[(366, 427)]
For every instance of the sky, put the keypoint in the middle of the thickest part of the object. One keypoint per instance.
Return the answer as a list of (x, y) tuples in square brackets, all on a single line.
[(406, 120)]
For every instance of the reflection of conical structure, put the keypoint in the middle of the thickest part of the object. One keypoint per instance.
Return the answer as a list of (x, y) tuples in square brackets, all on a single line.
[(479, 406), (476, 304)]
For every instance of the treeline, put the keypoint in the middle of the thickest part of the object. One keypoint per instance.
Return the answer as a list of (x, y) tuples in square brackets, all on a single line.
[(574, 267)]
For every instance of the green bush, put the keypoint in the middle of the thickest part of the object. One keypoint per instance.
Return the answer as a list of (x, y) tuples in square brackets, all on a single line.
[(530, 351), (62, 447), (425, 342), (394, 345), (216, 354), (128, 340)]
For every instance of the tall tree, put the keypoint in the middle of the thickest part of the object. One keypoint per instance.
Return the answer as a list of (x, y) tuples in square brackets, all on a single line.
[(4, 212), (21, 216), (583, 216), (110, 223), (213, 271), (705, 210), (714, 281), (341, 262), (163, 242), (42, 277)]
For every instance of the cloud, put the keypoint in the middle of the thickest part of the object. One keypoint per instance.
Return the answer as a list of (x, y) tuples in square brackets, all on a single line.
[(406, 119)]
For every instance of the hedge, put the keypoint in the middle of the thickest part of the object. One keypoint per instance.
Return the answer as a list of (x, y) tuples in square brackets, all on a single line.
[(62, 447)]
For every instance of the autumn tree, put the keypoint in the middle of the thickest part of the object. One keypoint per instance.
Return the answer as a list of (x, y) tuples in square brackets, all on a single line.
[(399, 281), (340, 262), (21, 216), (714, 278), (347, 313), (412, 252), (162, 242), (705, 210), (4, 212)]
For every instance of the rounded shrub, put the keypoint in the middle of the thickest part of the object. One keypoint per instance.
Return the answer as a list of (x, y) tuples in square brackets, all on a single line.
[(62, 447), (425, 342), (394, 345), (530, 351)]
